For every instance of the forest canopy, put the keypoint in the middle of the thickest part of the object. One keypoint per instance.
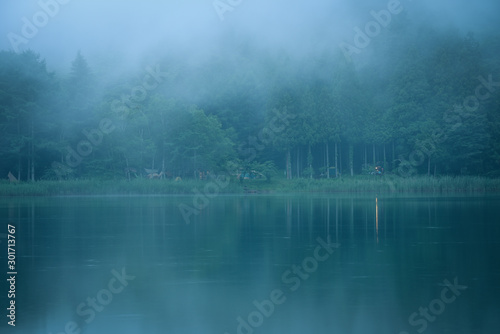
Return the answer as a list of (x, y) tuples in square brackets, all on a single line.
[(417, 101)]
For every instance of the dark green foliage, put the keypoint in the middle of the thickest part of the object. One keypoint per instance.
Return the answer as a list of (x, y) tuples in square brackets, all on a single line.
[(249, 109)]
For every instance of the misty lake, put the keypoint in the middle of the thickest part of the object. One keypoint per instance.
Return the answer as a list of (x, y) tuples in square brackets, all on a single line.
[(255, 264)]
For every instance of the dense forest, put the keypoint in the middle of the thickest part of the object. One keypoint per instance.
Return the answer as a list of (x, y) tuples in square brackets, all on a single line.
[(418, 101)]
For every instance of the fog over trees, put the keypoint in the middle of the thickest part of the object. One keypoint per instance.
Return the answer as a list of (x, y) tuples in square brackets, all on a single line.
[(111, 89)]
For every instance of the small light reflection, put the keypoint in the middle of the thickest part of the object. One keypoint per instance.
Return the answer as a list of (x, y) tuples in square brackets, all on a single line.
[(376, 216)]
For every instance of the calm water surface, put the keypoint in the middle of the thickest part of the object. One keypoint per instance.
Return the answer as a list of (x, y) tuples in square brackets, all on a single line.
[(254, 264)]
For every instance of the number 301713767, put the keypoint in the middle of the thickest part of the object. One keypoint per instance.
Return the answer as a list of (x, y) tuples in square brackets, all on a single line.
[(11, 243)]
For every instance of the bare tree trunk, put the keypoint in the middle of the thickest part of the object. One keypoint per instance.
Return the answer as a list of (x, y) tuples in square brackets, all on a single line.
[(298, 164), (336, 162), (19, 167), (128, 169), (32, 153), (32, 171), (309, 157), (340, 159), (288, 165), (163, 165), (385, 160), (429, 166), (393, 156), (351, 158), (327, 162), (366, 158), (374, 162)]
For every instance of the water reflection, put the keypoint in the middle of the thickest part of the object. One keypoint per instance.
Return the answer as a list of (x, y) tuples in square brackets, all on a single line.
[(200, 278)]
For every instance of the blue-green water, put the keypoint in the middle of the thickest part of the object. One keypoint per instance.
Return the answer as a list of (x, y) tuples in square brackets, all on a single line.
[(254, 264)]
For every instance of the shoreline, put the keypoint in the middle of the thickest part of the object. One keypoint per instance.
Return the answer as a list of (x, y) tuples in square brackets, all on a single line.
[(350, 185)]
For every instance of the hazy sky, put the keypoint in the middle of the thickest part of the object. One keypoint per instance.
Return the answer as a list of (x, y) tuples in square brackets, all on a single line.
[(127, 30)]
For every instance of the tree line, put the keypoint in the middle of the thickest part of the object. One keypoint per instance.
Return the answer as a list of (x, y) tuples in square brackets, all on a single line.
[(425, 103)]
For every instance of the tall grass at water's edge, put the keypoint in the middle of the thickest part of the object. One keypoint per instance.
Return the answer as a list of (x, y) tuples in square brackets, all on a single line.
[(393, 184), (107, 187), (357, 184)]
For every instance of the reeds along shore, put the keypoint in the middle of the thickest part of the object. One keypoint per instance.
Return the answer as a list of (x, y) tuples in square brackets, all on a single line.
[(393, 184), (357, 184)]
